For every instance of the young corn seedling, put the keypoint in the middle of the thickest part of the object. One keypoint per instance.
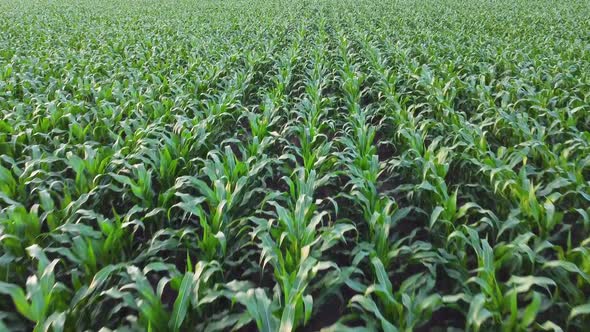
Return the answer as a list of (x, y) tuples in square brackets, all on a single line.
[(293, 244), (44, 300), (403, 309), (497, 303), (221, 203)]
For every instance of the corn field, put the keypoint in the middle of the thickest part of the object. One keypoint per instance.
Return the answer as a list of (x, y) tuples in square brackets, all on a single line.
[(311, 165)]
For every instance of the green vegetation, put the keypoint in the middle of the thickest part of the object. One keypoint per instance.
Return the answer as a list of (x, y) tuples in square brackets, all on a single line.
[(294, 165)]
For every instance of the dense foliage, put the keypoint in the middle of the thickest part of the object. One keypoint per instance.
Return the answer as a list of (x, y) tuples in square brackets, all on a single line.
[(294, 165)]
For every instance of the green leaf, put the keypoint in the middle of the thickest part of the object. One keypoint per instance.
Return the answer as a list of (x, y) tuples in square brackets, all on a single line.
[(101, 276), (435, 214), (55, 322), (477, 314), (382, 276), (568, 266), (288, 318), (523, 284), (19, 299), (369, 305), (308, 302), (259, 307), (182, 301), (583, 309), (530, 313), (550, 326)]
